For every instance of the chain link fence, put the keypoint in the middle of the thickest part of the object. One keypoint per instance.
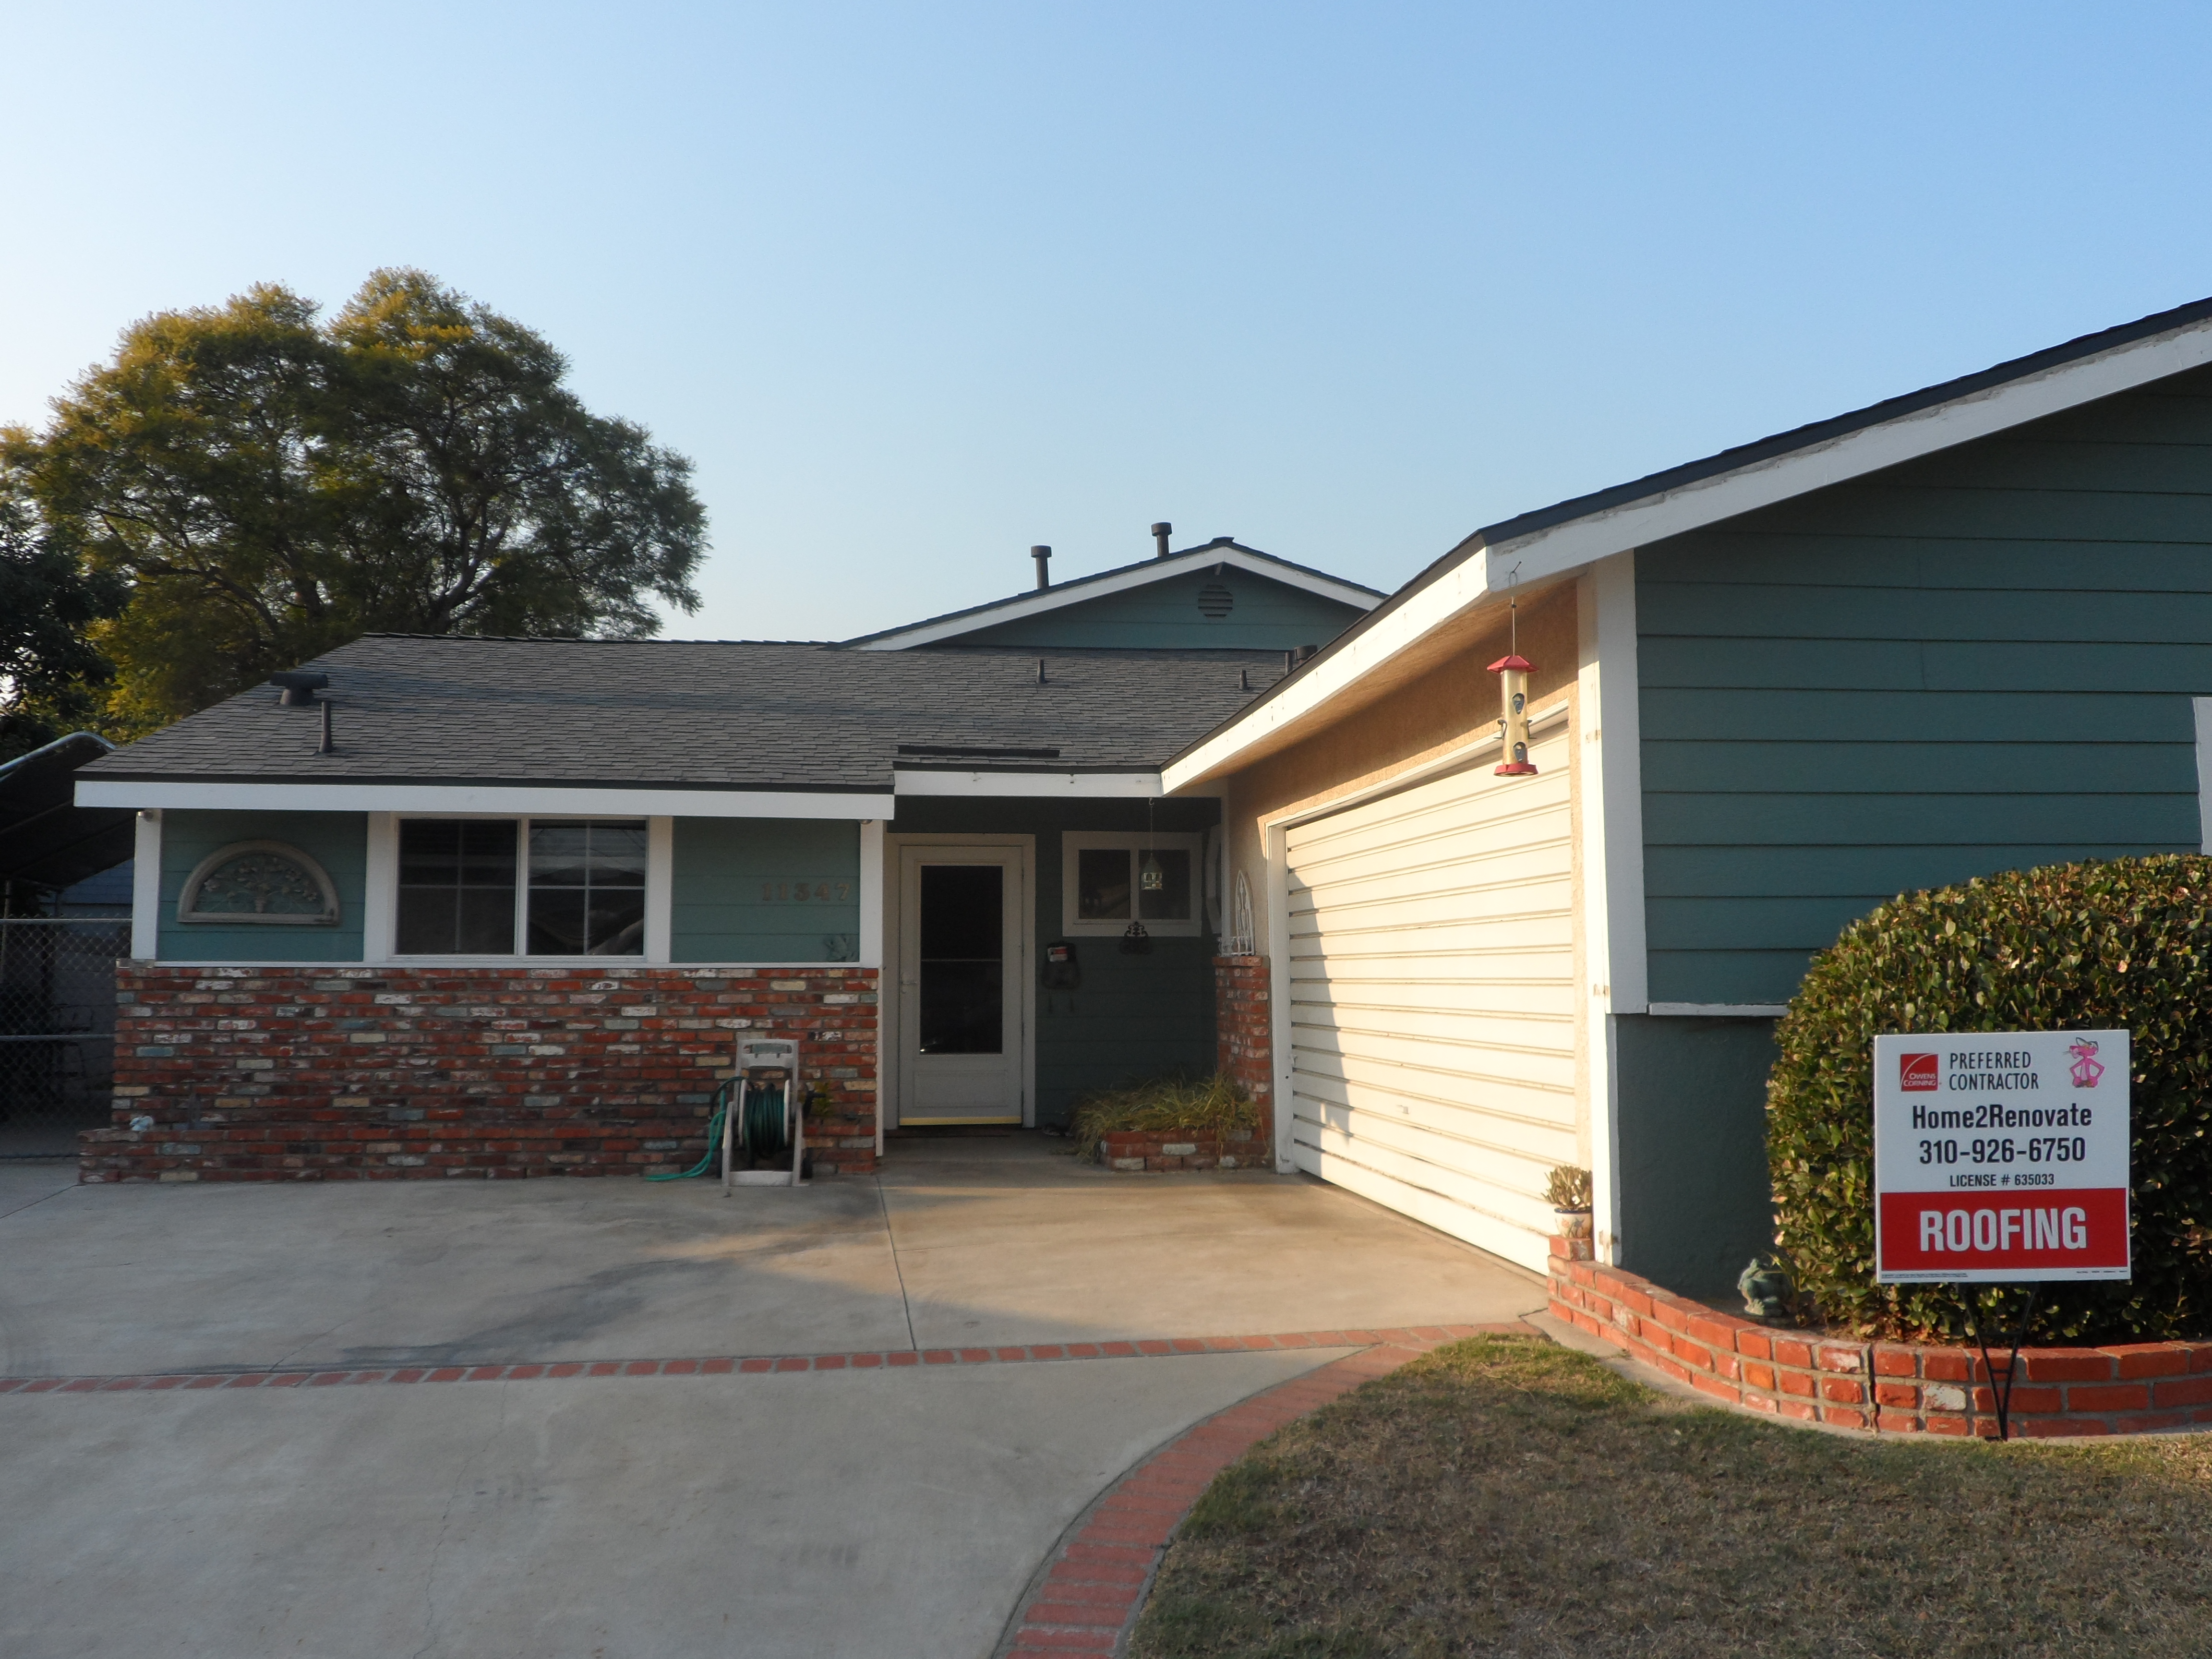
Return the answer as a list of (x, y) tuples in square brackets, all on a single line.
[(56, 1029)]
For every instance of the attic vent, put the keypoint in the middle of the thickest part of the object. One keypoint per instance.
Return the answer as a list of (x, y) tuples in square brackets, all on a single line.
[(1215, 601)]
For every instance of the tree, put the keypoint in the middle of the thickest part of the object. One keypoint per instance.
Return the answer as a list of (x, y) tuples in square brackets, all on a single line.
[(269, 485), (51, 676)]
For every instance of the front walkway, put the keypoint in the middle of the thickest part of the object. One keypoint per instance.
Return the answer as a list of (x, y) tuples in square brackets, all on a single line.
[(231, 1501)]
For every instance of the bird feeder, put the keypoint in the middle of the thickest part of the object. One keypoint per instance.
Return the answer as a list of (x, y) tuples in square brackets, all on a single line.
[(1513, 688)]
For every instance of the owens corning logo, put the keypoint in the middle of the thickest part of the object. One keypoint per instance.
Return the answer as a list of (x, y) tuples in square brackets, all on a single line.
[(1915, 1074)]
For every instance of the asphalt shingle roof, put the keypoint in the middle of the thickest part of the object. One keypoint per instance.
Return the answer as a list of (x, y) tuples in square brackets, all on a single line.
[(721, 714)]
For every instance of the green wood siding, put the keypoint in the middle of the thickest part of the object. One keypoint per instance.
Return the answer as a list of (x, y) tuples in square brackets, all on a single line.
[(1134, 1016), (765, 890), (336, 840), (1265, 615), (1979, 661)]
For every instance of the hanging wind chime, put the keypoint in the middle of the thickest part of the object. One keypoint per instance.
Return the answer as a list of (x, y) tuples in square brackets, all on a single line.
[(1513, 669), (1150, 879)]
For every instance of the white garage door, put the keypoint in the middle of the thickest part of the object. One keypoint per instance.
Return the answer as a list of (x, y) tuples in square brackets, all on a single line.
[(1431, 1000)]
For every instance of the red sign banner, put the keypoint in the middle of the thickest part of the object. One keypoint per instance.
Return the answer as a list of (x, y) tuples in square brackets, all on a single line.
[(1985, 1233)]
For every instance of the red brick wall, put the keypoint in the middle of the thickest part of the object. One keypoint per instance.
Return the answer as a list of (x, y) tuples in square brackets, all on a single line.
[(1916, 1388), (1244, 1032), (381, 1072)]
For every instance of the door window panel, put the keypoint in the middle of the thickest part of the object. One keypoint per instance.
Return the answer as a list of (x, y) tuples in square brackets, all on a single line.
[(963, 959)]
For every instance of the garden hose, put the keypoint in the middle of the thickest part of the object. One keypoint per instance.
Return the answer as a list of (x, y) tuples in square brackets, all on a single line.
[(764, 1122), (713, 1140)]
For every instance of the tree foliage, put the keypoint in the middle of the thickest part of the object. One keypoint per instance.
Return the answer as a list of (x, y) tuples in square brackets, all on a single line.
[(2124, 944), (270, 484), (51, 676)]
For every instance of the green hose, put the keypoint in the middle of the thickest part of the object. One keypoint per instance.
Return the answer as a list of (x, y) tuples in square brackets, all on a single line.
[(713, 1140), (764, 1126)]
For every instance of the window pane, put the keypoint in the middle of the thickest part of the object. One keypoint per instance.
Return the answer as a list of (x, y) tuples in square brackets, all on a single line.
[(963, 959), (616, 921), (556, 921), (587, 889), (1171, 902), (1101, 883), (426, 922), (456, 887)]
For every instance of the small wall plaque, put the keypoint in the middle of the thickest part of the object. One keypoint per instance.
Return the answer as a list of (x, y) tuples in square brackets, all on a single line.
[(253, 882)]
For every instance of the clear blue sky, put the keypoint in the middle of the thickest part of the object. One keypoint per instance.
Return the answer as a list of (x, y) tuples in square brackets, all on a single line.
[(916, 286)]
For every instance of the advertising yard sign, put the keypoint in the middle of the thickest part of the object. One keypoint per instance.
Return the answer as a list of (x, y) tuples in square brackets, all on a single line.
[(2001, 1157)]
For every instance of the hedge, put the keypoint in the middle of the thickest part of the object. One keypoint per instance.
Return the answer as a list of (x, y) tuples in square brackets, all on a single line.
[(2069, 947)]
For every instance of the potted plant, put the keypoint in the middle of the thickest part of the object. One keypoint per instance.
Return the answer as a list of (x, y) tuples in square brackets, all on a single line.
[(1568, 1190)]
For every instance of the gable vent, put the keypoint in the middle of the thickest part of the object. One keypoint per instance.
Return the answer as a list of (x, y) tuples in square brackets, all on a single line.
[(1215, 601)]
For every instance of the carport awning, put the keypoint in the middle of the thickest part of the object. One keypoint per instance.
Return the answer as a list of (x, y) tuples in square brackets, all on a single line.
[(44, 835)]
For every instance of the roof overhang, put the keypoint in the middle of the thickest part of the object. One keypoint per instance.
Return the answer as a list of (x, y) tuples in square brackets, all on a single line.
[(612, 800), (1479, 567), (941, 629), (1080, 786)]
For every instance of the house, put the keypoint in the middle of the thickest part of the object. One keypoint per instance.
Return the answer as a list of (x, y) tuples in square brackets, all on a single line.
[(1960, 631), (1065, 839), (491, 906)]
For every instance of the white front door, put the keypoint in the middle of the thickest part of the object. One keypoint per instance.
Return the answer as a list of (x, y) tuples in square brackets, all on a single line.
[(960, 985)]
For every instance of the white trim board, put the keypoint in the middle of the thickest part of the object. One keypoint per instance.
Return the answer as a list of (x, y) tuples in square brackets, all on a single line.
[(1119, 785), (1137, 576), (1559, 549), (502, 800)]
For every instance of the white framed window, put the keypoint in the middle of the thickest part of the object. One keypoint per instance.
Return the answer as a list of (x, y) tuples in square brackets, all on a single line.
[(1109, 879), (520, 887)]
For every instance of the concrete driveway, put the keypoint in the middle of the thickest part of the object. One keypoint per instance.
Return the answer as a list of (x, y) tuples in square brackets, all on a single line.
[(889, 1506)]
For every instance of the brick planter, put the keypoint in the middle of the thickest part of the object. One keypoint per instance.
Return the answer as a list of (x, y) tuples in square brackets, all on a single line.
[(1895, 1388), (1182, 1149), (388, 1072)]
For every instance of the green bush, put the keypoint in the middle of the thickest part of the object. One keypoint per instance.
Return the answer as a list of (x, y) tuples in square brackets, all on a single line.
[(2069, 947), (1175, 1102)]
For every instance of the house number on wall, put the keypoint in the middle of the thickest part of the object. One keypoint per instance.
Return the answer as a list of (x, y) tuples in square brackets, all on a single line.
[(802, 892)]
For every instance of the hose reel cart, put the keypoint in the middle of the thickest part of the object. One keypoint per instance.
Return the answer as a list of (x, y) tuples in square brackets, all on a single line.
[(764, 1141)]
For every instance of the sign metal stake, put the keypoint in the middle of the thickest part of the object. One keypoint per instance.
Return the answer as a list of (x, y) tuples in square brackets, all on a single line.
[(2000, 1392)]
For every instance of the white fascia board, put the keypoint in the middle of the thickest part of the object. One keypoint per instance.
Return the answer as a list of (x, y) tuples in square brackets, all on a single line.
[(1561, 549), (1052, 598), (1321, 682), (1117, 786), (520, 801)]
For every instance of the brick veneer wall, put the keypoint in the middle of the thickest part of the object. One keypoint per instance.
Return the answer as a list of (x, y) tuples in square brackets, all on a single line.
[(363, 1072), (1244, 1043), (1915, 1387)]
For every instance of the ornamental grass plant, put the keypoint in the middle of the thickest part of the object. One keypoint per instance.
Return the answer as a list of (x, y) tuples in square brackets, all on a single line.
[(2123, 942), (1212, 1104)]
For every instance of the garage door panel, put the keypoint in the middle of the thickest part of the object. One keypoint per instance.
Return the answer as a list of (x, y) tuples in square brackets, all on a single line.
[(1469, 861), (1497, 1178), (1445, 809), (1434, 1003), (1402, 928), (1519, 1028), (1488, 1198), (1455, 1220), (1548, 1137), (1509, 1083)]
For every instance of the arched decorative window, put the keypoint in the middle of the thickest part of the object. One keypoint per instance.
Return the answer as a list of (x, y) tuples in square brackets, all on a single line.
[(255, 882), (1241, 943)]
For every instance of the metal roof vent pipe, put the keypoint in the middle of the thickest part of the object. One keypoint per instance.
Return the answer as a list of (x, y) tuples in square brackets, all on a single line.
[(1161, 532), (1043, 557)]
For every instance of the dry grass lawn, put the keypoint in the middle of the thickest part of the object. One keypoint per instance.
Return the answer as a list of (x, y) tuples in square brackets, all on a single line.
[(1505, 1496)]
